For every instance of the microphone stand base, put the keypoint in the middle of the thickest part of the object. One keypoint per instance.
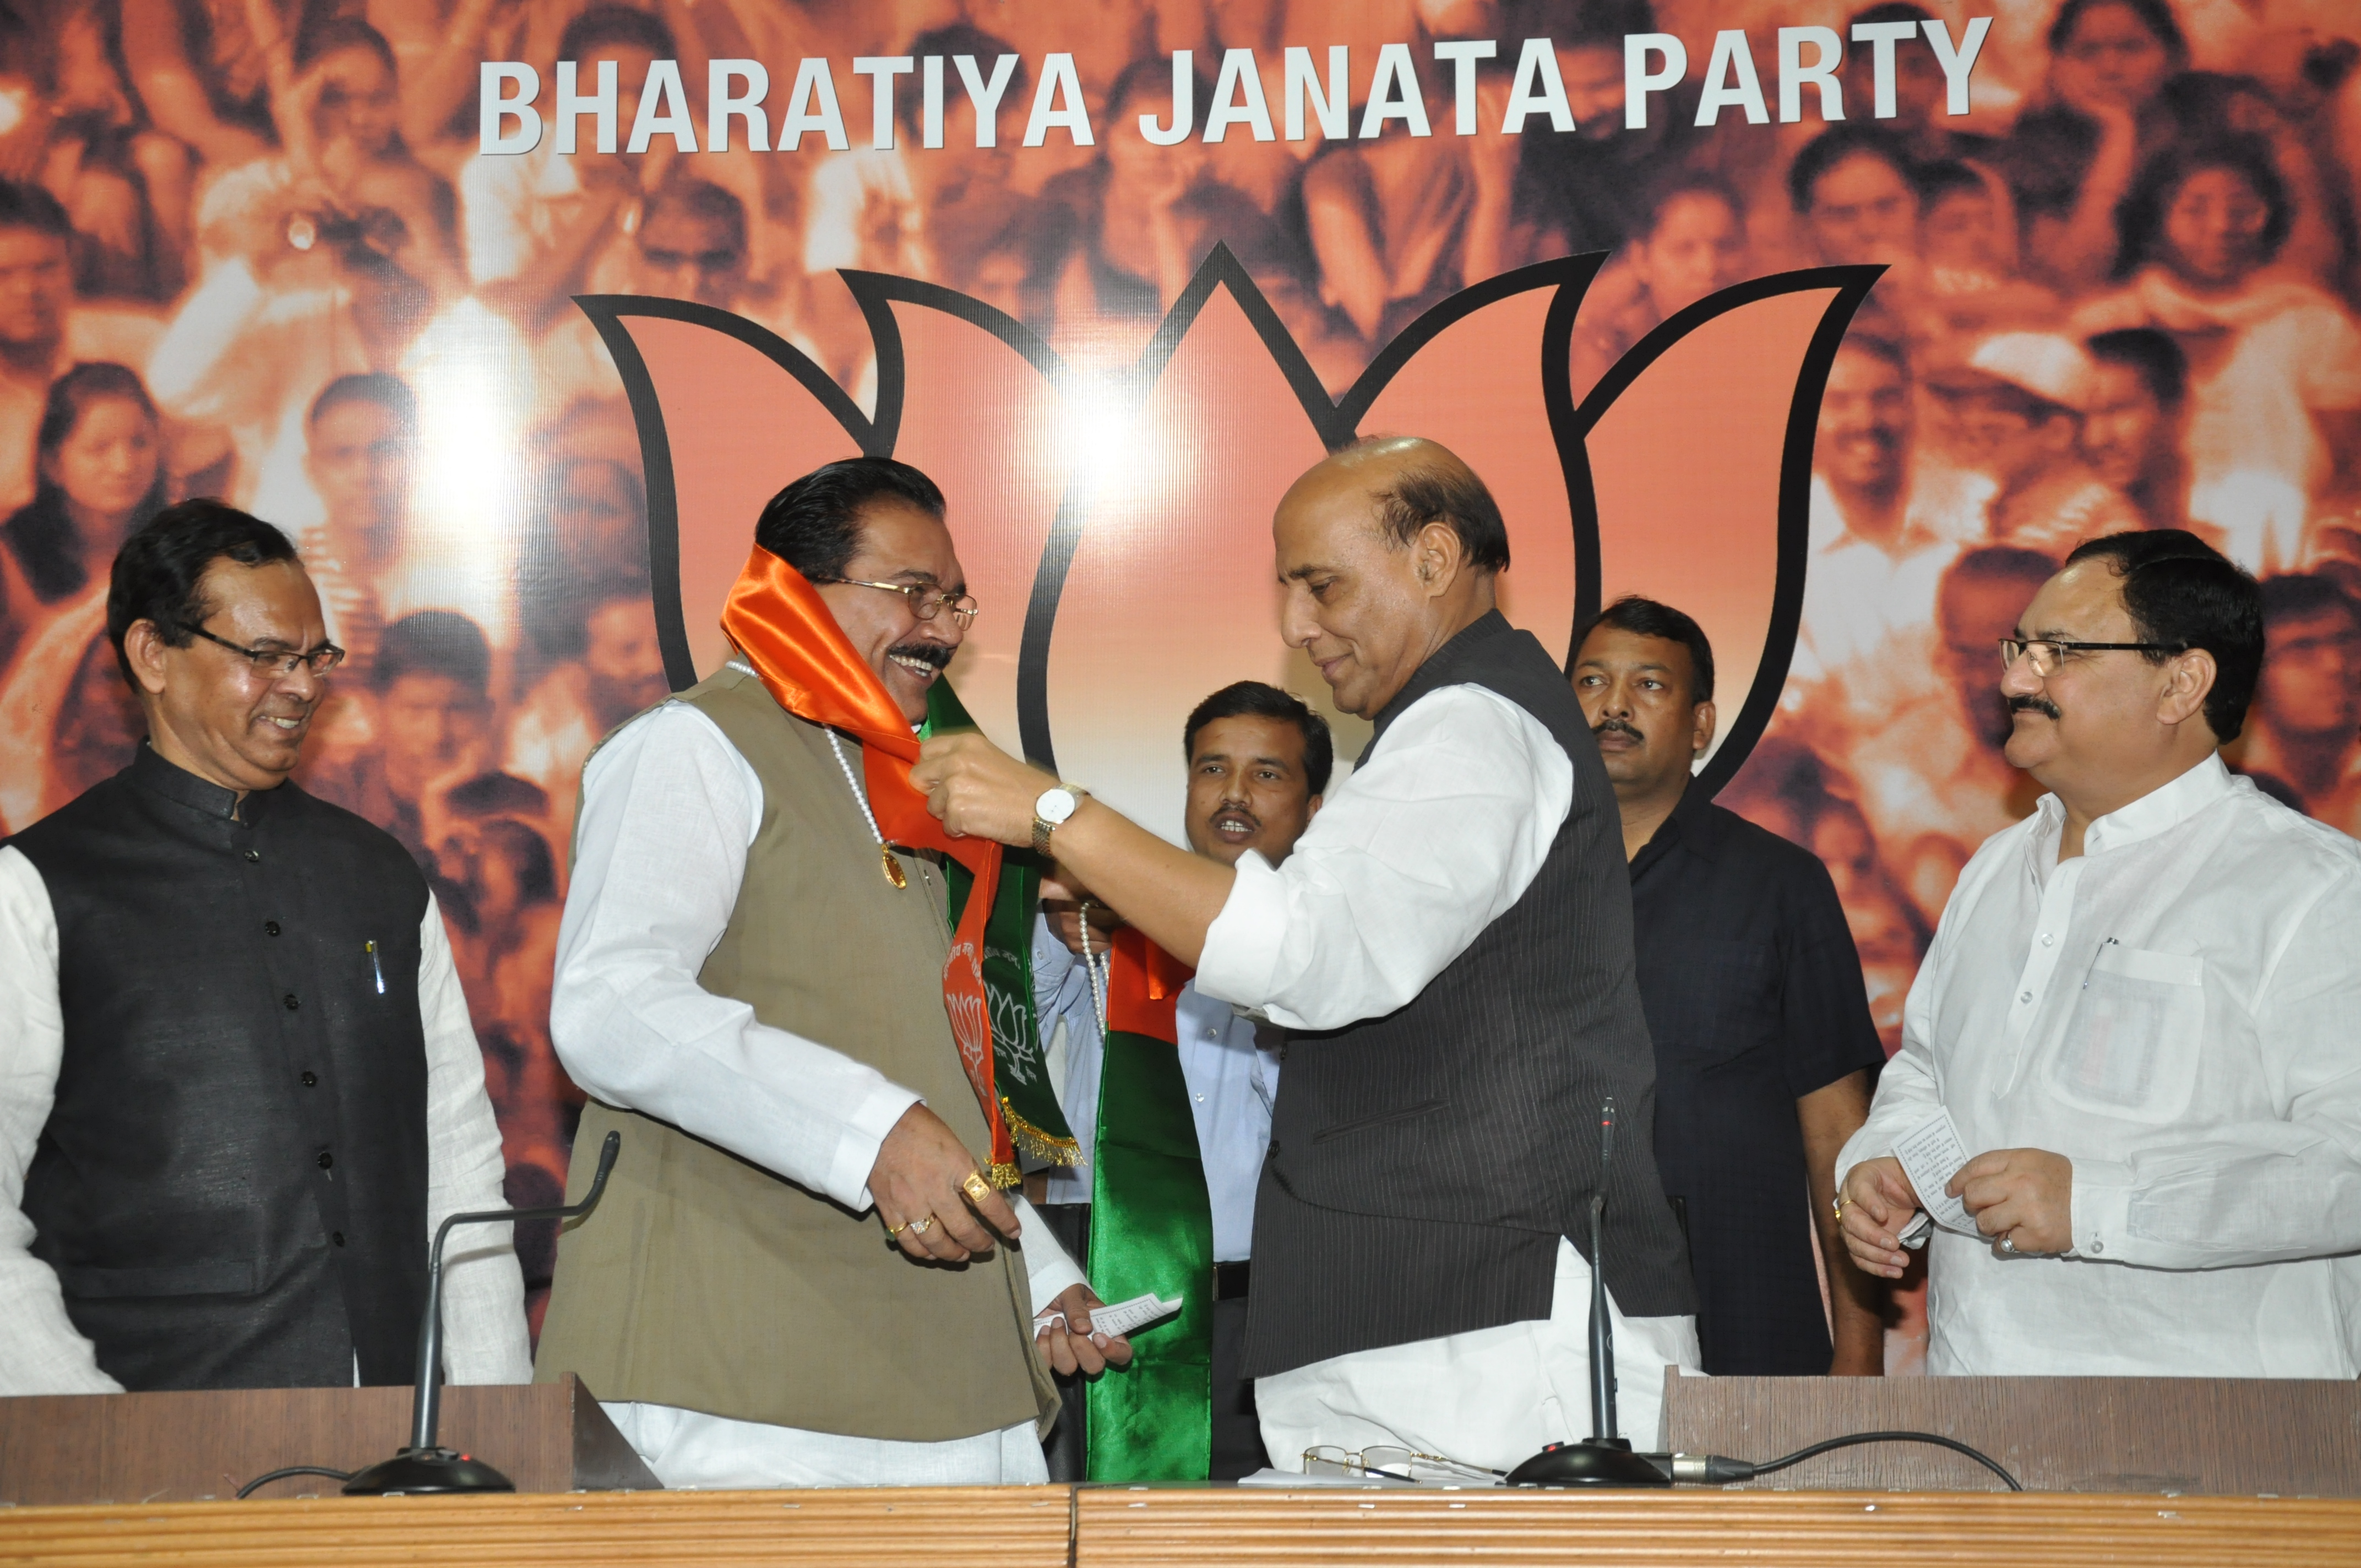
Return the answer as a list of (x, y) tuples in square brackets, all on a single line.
[(1592, 1462), (429, 1470)]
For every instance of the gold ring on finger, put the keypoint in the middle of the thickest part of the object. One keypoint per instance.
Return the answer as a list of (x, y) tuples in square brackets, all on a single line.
[(920, 1227), (976, 1188), (897, 1229)]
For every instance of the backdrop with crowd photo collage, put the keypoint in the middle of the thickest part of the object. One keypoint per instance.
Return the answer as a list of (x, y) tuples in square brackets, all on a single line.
[(1834, 327)]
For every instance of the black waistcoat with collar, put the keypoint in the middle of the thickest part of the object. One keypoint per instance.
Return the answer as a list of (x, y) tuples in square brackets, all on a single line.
[(1423, 1165), (232, 1183)]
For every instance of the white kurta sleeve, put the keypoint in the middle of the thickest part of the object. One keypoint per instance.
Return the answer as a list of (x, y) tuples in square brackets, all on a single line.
[(1907, 1092), (1426, 844), (668, 810), (41, 1350), (1048, 1267), (485, 1339), (2256, 1191)]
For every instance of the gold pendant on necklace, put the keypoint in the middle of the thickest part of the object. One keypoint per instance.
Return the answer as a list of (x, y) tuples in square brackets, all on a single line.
[(892, 867)]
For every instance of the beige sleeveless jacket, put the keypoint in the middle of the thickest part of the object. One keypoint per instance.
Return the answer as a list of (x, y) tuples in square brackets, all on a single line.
[(706, 1282)]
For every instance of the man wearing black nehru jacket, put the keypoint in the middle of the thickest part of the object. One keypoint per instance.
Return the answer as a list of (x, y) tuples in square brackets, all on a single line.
[(1449, 946), (238, 1087)]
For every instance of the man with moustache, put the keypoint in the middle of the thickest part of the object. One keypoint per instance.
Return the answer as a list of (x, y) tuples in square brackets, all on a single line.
[(1450, 943), (239, 1090), (2138, 1015), (751, 984), (1259, 761), (1764, 1046)]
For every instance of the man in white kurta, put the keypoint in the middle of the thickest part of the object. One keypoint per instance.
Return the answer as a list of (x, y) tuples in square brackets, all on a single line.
[(2138, 1012), (1445, 929)]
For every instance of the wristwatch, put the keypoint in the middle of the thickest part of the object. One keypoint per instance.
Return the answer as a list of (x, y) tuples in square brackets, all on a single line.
[(1050, 810)]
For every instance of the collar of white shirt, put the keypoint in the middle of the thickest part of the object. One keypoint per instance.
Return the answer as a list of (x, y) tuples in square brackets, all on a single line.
[(2165, 807)]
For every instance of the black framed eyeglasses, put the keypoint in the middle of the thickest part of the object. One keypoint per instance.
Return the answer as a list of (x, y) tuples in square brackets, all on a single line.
[(926, 601), (277, 663), (2047, 653)]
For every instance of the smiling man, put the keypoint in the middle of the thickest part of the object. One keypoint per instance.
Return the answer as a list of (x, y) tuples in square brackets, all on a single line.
[(796, 1279), (238, 1089), (1451, 942), (1753, 987), (2138, 1012)]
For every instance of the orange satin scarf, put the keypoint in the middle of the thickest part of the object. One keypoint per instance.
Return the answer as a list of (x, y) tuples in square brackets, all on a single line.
[(786, 630)]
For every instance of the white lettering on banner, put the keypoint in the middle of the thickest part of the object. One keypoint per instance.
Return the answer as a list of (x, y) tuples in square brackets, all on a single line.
[(813, 108), (664, 107), (985, 95), (1653, 64), (722, 104), (1881, 38), (572, 106), (1732, 57), (880, 68), (1329, 107), (1059, 104), (1956, 61), (1828, 51), (1463, 54), (931, 101), (1394, 94), (1238, 100), (1185, 107), (1538, 90), (1639, 80), (495, 105)]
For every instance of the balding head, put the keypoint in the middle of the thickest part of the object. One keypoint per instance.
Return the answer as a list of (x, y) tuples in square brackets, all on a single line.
[(1387, 550)]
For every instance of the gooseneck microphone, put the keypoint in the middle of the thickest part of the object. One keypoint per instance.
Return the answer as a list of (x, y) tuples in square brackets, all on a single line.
[(1602, 1459), (426, 1465), (1602, 1325)]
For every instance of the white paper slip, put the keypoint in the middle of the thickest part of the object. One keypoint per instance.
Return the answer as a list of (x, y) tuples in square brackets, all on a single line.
[(1125, 1317), (1931, 1155)]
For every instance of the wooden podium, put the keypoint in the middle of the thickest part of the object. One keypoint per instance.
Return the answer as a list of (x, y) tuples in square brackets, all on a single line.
[(189, 1447), (2227, 1436)]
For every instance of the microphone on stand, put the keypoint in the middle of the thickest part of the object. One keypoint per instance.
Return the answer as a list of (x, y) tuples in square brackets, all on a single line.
[(426, 1465), (1602, 1459)]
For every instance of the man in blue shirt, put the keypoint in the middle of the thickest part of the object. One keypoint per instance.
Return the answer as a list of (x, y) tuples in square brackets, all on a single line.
[(1259, 760)]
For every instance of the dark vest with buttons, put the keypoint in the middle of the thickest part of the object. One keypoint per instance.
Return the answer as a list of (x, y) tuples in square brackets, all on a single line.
[(232, 1184), (1423, 1164)]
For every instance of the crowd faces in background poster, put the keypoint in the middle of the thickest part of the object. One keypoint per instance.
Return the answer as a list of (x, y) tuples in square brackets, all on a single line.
[(251, 249)]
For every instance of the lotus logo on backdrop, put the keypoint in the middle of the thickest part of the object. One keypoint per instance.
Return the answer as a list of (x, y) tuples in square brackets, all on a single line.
[(1115, 521)]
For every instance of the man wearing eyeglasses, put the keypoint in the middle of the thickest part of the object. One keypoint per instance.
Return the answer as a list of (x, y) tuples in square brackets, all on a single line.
[(797, 1277), (238, 1087), (2138, 1015)]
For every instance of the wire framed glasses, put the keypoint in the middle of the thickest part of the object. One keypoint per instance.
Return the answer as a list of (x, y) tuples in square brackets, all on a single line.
[(926, 601), (277, 663), (2049, 652)]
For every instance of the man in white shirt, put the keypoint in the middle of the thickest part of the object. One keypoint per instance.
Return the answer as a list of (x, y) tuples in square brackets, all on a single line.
[(750, 983), (1259, 760), (1455, 929), (239, 1090), (2138, 1015)]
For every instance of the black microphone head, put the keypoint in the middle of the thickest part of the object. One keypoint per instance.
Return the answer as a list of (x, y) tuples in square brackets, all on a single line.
[(1606, 1135), (606, 1153)]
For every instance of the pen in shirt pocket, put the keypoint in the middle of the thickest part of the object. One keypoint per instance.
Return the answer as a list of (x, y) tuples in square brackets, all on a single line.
[(376, 970), (2087, 973)]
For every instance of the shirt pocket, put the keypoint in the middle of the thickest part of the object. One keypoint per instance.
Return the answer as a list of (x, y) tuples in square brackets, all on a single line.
[(2132, 1045)]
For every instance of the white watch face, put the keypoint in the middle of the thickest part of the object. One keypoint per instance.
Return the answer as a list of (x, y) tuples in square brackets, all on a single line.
[(1055, 806)]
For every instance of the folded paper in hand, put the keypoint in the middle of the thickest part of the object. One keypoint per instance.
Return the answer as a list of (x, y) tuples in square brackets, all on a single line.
[(1121, 1318), (1931, 1153)]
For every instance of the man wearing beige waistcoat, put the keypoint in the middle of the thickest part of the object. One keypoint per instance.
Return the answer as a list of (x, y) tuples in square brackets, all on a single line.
[(798, 1276)]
